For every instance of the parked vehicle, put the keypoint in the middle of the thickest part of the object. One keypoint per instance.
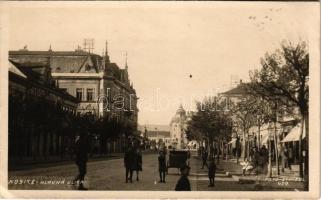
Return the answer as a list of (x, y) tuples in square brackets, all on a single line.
[(177, 159)]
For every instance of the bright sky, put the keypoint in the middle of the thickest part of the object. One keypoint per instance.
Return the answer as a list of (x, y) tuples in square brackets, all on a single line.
[(166, 42)]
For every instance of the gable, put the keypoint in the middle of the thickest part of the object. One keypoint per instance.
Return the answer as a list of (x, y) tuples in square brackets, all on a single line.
[(88, 66)]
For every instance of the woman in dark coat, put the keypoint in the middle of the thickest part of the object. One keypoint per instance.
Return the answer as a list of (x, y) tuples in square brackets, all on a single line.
[(130, 163), (183, 183)]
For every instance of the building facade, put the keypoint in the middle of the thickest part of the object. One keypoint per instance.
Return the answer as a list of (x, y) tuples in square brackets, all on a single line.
[(158, 135), (178, 126), (102, 88)]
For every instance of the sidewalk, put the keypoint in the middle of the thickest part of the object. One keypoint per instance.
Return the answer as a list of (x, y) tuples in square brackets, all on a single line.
[(30, 163), (287, 180)]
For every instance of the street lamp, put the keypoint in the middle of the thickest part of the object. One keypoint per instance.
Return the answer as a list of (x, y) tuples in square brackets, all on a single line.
[(270, 130)]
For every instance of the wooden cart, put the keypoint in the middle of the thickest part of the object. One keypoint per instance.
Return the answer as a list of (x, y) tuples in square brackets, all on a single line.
[(177, 159)]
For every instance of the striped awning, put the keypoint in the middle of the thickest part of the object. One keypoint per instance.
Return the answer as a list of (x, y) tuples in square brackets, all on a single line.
[(294, 134)]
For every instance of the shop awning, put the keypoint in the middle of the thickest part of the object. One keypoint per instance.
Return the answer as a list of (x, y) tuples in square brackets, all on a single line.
[(294, 134)]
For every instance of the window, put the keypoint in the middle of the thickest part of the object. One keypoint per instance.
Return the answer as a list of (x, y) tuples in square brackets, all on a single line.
[(87, 68), (79, 94), (90, 93)]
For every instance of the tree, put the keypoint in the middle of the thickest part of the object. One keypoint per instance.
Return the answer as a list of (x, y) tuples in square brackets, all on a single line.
[(284, 78), (209, 124), (242, 112)]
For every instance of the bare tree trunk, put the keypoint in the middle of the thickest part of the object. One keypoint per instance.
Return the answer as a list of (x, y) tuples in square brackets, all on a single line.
[(259, 136), (243, 146), (276, 150), (248, 147), (218, 150), (306, 158), (300, 149)]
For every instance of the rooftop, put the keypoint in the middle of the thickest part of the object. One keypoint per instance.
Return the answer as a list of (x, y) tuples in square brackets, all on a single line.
[(154, 127), (158, 134), (48, 53), (238, 90)]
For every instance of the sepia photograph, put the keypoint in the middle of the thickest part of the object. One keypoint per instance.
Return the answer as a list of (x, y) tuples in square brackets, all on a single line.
[(160, 96)]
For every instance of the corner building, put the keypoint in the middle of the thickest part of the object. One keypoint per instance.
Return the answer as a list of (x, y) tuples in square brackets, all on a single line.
[(101, 86)]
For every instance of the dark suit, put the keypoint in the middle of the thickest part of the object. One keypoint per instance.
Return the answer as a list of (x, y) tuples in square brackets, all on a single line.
[(211, 172), (162, 167), (130, 164), (81, 159)]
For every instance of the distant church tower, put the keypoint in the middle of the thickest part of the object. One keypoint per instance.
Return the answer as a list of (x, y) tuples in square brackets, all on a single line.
[(178, 127)]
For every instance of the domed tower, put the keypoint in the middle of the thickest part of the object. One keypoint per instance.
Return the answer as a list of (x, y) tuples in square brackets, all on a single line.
[(177, 128)]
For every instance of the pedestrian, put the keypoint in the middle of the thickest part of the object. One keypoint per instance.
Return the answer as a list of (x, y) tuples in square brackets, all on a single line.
[(204, 158), (162, 166), (255, 159), (81, 160), (264, 153), (285, 159), (211, 172), (139, 163), (129, 162), (183, 183), (290, 160)]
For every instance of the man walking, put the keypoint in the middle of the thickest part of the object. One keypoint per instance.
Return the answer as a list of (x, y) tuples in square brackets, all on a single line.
[(204, 158), (211, 172), (139, 163), (162, 166), (81, 159), (290, 160), (285, 159), (183, 183), (129, 162)]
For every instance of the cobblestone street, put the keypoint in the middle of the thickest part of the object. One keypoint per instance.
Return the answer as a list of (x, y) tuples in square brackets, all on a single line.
[(110, 175)]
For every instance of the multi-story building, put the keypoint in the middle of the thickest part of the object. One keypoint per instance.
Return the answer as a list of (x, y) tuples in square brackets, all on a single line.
[(102, 88)]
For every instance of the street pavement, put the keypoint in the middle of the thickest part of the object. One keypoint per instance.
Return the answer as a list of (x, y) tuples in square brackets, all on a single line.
[(110, 175)]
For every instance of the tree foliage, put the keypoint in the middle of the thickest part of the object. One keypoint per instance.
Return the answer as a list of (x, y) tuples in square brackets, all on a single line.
[(210, 122), (284, 76)]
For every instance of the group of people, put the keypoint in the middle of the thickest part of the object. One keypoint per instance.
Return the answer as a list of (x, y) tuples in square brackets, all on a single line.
[(259, 158), (133, 162)]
